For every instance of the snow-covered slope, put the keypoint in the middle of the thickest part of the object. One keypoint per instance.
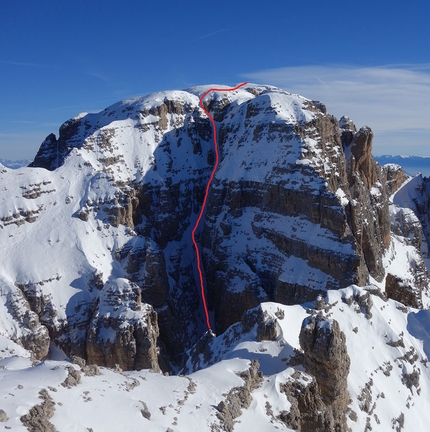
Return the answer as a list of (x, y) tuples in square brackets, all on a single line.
[(388, 382)]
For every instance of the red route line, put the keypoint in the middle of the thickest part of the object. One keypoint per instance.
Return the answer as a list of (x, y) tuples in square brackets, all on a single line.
[(193, 232)]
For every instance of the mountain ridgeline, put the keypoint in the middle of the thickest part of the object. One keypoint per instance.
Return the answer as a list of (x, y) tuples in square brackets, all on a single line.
[(314, 259), (412, 165), (298, 206)]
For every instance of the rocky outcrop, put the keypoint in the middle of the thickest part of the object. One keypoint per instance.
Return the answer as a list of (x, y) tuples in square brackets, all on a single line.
[(369, 216), (32, 335), (3, 416), (257, 322), (37, 420), (112, 328), (322, 403), (127, 336), (73, 377), (405, 223), (47, 156), (347, 129), (410, 223), (53, 152), (360, 159), (239, 398), (395, 177), (326, 357), (397, 289), (266, 326), (416, 196), (307, 413), (423, 207)]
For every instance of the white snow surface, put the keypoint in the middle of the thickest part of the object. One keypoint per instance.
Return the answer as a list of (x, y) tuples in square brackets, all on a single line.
[(113, 401)]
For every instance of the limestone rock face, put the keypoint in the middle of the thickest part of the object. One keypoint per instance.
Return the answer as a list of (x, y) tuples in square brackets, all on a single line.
[(325, 358), (46, 157), (405, 223), (423, 205), (323, 183), (395, 177), (423, 208), (416, 196), (410, 222), (369, 212), (127, 335), (361, 160), (397, 289), (29, 332), (348, 130), (53, 151)]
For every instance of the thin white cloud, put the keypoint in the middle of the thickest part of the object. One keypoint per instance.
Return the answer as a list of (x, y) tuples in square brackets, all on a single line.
[(13, 63), (394, 100), (410, 66), (99, 75), (211, 34)]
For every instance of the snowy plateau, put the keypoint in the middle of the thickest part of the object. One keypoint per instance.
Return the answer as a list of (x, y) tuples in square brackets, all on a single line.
[(315, 260)]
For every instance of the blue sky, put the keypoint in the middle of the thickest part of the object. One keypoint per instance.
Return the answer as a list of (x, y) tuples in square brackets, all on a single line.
[(368, 60)]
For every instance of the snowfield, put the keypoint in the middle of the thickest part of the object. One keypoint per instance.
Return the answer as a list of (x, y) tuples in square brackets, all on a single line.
[(388, 345)]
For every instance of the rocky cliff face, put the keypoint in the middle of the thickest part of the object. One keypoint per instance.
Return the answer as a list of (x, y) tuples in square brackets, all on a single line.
[(298, 206), (327, 360), (410, 225), (415, 197), (395, 177), (122, 331), (321, 183)]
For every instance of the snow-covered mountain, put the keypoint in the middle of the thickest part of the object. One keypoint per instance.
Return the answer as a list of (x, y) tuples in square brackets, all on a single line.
[(14, 164), (412, 165), (314, 260)]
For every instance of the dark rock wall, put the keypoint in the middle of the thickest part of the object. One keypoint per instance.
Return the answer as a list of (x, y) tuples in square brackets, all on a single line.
[(397, 289), (368, 210), (344, 163), (322, 404), (420, 199)]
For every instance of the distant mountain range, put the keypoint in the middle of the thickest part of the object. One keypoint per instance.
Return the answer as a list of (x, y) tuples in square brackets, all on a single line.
[(14, 164), (411, 164)]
